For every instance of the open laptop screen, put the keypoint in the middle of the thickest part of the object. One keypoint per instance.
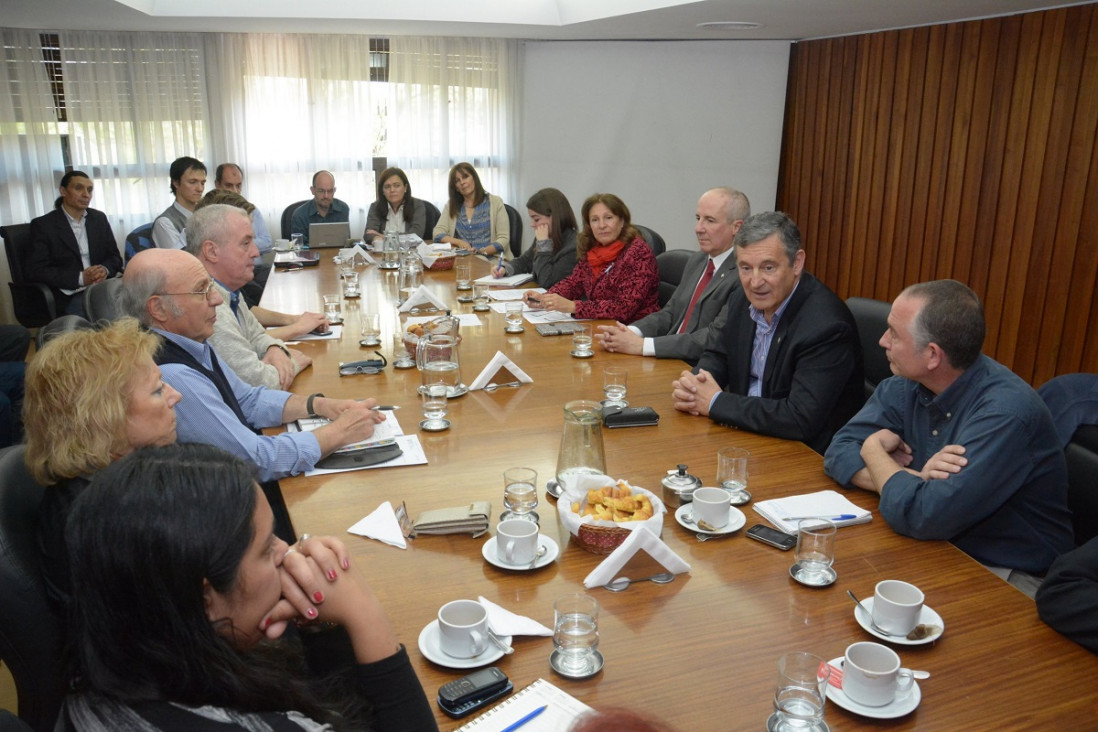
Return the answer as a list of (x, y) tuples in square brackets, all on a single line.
[(322, 236)]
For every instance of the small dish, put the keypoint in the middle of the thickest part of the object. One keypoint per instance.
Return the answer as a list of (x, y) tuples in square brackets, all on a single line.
[(432, 651), (823, 579), (458, 391), (583, 354), (597, 663), (736, 520), (434, 425), (926, 617), (898, 707), (552, 551)]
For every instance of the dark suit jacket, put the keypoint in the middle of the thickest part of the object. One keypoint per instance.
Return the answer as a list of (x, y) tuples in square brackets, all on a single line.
[(812, 381), (708, 316), (54, 256)]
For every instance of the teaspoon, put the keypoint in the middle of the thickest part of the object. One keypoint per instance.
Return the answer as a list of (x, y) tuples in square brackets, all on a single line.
[(622, 583), (869, 615), (493, 386), (507, 650)]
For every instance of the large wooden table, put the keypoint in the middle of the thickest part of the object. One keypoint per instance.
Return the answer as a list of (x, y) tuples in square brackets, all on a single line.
[(701, 652)]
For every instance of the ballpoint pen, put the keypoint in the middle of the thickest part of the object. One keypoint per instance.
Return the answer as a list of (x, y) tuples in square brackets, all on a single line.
[(385, 407), (499, 265), (840, 517), (524, 720)]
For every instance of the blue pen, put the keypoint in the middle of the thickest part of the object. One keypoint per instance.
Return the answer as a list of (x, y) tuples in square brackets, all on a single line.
[(840, 517), (500, 265), (524, 720)]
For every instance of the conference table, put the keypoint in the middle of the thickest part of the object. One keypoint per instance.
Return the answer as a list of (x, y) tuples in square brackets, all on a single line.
[(701, 652)]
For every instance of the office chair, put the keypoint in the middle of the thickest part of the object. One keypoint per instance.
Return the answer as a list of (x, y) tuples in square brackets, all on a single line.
[(101, 301), (59, 325), (433, 215), (652, 239), (139, 240), (287, 214), (33, 302), (515, 221), (30, 631), (872, 319), (1082, 464), (671, 264)]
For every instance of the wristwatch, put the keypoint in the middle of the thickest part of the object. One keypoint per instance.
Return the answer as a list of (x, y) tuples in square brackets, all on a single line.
[(309, 405)]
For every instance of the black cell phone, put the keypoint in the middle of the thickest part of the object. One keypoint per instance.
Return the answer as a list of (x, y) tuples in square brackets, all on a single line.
[(472, 692), (773, 537), (629, 416)]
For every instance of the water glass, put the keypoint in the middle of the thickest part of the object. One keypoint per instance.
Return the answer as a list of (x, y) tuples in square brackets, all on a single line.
[(576, 633), (732, 472), (520, 493), (815, 550), (480, 297), (513, 315), (463, 275), (371, 329), (402, 359), (581, 341), (297, 242), (801, 692), (350, 282), (615, 381), (333, 309), (435, 407)]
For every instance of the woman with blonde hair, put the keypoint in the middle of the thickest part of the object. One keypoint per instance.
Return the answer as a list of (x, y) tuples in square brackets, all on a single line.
[(92, 396)]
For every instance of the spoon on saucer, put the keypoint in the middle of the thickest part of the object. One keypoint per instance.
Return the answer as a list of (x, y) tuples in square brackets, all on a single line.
[(541, 553), (869, 615)]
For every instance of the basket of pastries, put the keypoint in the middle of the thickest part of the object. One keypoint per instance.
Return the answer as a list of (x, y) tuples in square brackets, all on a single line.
[(600, 512), (436, 257)]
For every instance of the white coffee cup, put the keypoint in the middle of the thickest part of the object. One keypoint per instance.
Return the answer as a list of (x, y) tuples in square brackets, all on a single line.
[(896, 606), (462, 628), (872, 675), (516, 541), (711, 505)]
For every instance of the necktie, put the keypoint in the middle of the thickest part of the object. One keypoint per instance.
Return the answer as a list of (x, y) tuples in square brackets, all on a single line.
[(234, 303), (702, 284)]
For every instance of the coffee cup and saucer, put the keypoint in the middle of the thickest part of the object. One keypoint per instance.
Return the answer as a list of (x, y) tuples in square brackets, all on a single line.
[(897, 608), (458, 637), (519, 545), (872, 683), (709, 512)]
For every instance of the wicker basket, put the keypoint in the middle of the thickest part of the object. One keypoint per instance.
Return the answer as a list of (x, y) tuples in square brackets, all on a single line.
[(442, 263), (600, 539), (603, 538)]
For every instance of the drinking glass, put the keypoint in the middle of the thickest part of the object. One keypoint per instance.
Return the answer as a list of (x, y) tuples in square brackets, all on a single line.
[(480, 297), (615, 380), (801, 692), (576, 633), (463, 275), (513, 315), (581, 341), (371, 329), (520, 494), (297, 242), (402, 359), (333, 310), (350, 282), (815, 550), (732, 473), (435, 407)]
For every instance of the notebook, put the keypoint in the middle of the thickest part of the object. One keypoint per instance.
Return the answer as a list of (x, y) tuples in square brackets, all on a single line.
[(825, 504), (327, 236), (561, 710)]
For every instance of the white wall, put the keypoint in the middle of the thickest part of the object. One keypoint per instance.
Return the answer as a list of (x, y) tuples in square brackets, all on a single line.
[(657, 123)]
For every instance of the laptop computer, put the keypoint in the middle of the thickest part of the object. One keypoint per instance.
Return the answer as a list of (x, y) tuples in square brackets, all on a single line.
[(327, 236)]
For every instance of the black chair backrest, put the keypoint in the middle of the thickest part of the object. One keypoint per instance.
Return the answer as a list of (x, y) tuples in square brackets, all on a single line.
[(16, 244), (655, 241), (671, 264), (1082, 463), (287, 214), (30, 630), (872, 319), (33, 302), (515, 221), (433, 215), (101, 301), (57, 326), (139, 240)]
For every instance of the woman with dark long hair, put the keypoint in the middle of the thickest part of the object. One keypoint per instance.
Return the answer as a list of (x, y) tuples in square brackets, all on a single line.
[(616, 275), (395, 210), (552, 256), (473, 218), (180, 588)]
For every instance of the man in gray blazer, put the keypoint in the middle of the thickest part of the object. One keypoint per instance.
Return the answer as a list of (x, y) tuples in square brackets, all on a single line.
[(698, 307)]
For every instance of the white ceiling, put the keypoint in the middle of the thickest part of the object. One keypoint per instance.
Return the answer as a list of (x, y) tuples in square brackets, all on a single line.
[(526, 19)]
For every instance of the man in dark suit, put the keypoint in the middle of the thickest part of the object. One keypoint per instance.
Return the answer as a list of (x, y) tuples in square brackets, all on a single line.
[(698, 307), (72, 246), (787, 362)]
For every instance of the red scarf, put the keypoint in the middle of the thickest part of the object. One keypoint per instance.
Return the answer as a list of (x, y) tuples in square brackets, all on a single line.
[(602, 256)]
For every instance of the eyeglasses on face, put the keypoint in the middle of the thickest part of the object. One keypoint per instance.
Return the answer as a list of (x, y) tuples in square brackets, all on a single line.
[(204, 293)]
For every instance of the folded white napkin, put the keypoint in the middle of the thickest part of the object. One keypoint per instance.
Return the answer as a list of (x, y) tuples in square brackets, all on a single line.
[(639, 540), (505, 622), (422, 296), (381, 525), (358, 250), (499, 361)]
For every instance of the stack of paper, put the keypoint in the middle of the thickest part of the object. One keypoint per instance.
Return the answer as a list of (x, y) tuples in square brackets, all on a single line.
[(512, 281), (832, 505)]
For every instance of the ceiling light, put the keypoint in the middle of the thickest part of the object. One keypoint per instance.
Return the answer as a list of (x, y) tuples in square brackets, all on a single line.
[(729, 25)]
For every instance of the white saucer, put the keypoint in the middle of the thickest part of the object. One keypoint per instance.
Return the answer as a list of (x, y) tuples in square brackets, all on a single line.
[(552, 551), (899, 706), (926, 617), (736, 521), (429, 647)]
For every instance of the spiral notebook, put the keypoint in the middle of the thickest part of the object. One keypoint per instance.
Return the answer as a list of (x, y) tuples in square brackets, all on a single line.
[(561, 709)]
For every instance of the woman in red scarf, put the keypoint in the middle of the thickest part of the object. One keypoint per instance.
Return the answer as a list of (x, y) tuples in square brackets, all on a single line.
[(616, 275)]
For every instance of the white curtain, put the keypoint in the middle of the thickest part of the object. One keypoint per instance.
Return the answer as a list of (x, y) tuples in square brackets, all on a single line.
[(454, 100)]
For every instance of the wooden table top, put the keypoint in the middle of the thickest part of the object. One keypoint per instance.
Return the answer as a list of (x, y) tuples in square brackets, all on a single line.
[(701, 652)]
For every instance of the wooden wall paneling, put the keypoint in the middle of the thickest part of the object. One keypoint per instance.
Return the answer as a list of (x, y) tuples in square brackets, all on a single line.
[(831, 173), (882, 60), (815, 167), (1079, 132), (839, 280), (909, 248), (855, 207), (893, 170)]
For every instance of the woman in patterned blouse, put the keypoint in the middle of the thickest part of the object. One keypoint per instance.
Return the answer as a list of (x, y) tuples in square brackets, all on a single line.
[(473, 218), (616, 275)]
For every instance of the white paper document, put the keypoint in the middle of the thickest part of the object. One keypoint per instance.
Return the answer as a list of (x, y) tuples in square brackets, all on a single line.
[(512, 281), (513, 294), (390, 429), (786, 512)]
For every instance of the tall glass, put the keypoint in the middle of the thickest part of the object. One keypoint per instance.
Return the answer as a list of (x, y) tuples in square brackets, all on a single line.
[(732, 473), (615, 382), (801, 692), (576, 633), (520, 493)]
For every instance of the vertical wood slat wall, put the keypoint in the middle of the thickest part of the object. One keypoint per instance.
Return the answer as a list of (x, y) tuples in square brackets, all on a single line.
[(965, 150)]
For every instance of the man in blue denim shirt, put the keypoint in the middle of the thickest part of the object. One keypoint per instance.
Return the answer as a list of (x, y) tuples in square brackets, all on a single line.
[(958, 446)]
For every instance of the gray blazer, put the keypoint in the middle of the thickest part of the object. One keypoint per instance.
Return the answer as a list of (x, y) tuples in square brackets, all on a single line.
[(708, 316)]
